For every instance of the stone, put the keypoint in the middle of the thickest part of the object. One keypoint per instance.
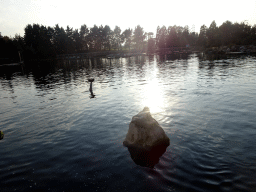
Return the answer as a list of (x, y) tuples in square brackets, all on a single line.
[(145, 132), (146, 140), (1, 135)]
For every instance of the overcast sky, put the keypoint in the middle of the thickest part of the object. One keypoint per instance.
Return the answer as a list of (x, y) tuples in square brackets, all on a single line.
[(16, 14)]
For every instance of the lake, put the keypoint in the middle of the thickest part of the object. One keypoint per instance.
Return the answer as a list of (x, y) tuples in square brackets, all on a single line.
[(61, 137)]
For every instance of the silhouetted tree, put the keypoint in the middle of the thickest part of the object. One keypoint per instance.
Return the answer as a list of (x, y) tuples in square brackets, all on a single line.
[(138, 37), (243, 32), (84, 32), (107, 37), (43, 42), (184, 39), (213, 35), (93, 38), (161, 37), (8, 50), (253, 35), (172, 38), (117, 38), (127, 36), (202, 39), (69, 40), (77, 41), (151, 45), (226, 32), (100, 37), (19, 43), (193, 38), (60, 40), (38, 41)]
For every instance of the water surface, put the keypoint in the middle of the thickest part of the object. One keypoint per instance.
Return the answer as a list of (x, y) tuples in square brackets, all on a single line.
[(59, 138)]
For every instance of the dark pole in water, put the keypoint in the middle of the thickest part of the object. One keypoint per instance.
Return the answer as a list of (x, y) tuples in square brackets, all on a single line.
[(91, 80), (90, 86)]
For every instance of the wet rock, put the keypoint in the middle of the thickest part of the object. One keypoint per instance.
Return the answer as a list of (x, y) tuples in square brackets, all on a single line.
[(145, 132), (1, 135), (146, 140)]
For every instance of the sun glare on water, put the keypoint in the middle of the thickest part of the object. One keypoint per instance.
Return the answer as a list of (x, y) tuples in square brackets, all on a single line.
[(153, 97), (152, 92)]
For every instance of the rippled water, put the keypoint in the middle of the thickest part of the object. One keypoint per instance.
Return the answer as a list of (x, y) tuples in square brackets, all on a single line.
[(59, 138)]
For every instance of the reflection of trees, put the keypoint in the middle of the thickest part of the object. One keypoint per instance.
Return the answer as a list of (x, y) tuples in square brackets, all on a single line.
[(139, 65), (7, 85), (102, 69), (53, 75), (221, 65), (7, 75), (171, 57), (135, 66), (9, 71), (212, 57), (171, 67), (140, 60), (161, 58), (151, 58), (44, 75)]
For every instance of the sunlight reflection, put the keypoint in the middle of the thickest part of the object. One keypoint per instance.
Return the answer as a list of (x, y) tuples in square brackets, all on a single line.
[(153, 97)]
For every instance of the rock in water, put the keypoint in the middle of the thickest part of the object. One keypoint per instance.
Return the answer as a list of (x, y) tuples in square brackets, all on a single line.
[(146, 140), (145, 132), (1, 135)]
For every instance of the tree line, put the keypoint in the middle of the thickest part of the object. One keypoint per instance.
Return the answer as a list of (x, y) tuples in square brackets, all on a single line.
[(40, 41), (227, 34)]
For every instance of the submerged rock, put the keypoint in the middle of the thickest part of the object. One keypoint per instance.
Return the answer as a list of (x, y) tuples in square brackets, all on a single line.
[(146, 140), (1, 135), (145, 157)]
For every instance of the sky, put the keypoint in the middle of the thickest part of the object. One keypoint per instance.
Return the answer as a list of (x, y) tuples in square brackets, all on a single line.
[(16, 14)]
